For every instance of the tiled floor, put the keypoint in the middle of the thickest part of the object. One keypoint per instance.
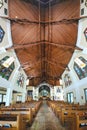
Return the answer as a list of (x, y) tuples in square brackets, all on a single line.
[(46, 120)]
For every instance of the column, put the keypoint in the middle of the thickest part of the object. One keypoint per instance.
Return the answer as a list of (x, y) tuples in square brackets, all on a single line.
[(8, 96)]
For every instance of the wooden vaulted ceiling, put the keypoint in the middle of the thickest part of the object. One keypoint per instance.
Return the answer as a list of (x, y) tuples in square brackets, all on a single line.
[(44, 37)]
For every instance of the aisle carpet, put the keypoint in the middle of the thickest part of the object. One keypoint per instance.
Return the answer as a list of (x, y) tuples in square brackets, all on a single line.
[(46, 120)]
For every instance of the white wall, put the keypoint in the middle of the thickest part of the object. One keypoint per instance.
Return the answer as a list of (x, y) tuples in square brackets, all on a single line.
[(58, 93), (5, 5), (10, 84)]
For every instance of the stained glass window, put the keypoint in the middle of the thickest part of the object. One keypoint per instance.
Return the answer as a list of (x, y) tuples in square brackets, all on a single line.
[(80, 67), (2, 33), (5, 72)]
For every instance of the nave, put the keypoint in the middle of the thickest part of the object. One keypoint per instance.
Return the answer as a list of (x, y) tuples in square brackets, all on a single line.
[(46, 120), (43, 55)]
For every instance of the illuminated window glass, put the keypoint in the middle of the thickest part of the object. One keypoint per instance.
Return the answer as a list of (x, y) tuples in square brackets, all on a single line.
[(4, 98), (85, 95), (1, 34), (0, 97), (5, 72), (70, 97), (80, 67), (19, 98)]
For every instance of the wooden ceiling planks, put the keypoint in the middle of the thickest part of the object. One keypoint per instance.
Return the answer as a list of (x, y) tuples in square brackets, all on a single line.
[(21, 9), (62, 33), (47, 60), (26, 33), (63, 10)]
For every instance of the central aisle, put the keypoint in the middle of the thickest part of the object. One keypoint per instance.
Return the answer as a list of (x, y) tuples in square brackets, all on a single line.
[(46, 120)]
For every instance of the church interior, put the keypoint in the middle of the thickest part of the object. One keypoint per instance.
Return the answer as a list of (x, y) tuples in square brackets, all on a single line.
[(43, 64)]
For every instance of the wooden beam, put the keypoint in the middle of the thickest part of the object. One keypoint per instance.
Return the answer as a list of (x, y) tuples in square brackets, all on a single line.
[(23, 21), (27, 21), (64, 46), (65, 21), (25, 45)]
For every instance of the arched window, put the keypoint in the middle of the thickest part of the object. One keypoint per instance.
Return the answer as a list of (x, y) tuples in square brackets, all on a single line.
[(6, 71)]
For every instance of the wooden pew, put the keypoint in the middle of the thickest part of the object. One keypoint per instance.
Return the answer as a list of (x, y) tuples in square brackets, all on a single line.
[(67, 116), (25, 112), (81, 121), (14, 120)]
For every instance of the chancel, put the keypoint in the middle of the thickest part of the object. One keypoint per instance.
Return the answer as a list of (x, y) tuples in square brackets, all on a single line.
[(43, 64)]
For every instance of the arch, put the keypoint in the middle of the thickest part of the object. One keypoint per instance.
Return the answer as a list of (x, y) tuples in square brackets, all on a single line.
[(44, 83), (44, 90), (44, 87)]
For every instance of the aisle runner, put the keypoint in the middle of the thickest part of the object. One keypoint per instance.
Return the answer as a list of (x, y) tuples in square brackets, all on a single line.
[(46, 120)]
